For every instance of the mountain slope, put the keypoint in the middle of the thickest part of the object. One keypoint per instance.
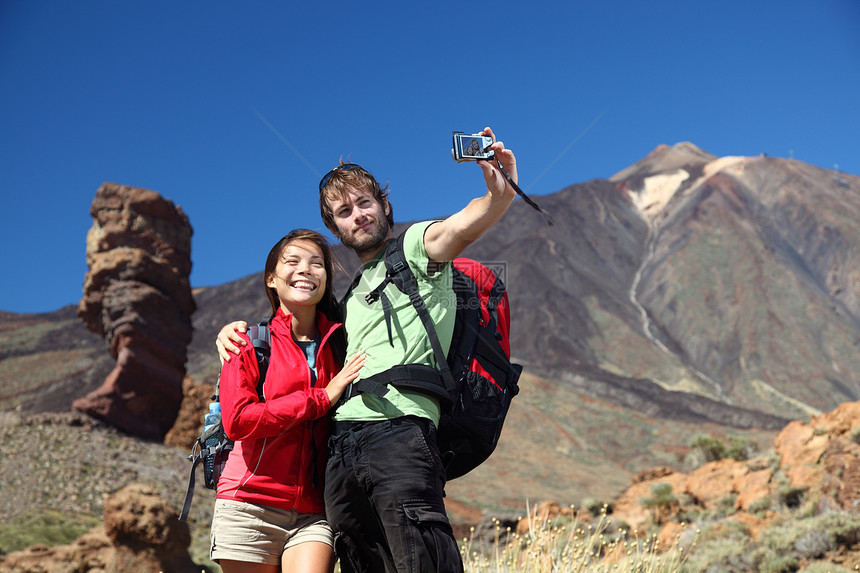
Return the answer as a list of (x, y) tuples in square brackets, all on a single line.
[(730, 280), (752, 280), (685, 294)]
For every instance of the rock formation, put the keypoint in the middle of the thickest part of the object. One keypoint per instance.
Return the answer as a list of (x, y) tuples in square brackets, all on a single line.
[(145, 532), (816, 463), (141, 532), (138, 297), (194, 406), (781, 511)]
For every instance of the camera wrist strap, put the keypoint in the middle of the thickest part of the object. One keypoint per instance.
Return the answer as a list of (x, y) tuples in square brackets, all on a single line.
[(521, 193)]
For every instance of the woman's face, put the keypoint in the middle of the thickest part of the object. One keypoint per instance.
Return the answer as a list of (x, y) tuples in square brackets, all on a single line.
[(299, 277)]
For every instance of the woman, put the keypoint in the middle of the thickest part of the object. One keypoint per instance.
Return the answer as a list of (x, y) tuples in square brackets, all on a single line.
[(269, 506)]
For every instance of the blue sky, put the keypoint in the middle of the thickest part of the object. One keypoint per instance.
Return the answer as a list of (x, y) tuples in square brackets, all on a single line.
[(234, 110)]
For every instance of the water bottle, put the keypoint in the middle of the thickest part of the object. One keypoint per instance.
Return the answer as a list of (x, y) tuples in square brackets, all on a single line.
[(210, 420), (213, 416)]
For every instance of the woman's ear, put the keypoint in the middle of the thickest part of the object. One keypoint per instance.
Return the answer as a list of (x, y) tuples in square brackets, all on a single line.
[(270, 281)]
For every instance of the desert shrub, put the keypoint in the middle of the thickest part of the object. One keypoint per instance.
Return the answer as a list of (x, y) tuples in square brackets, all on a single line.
[(760, 506), (688, 511), (726, 504), (661, 502), (843, 528), (710, 448), (722, 548), (814, 543), (854, 435), (47, 528), (781, 536), (825, 567), (788, 541), (778, 564), (763, 461), (617, 527), (580, 547), (661, 496), (596, 507), (741, 449)]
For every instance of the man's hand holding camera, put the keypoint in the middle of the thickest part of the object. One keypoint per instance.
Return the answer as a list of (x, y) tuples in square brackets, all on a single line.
[(496, 182)]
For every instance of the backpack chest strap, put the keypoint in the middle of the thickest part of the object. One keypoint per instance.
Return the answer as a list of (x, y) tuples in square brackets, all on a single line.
[(416, 377)]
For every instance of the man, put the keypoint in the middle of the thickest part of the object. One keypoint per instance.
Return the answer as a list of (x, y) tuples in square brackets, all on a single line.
[(385, 478)]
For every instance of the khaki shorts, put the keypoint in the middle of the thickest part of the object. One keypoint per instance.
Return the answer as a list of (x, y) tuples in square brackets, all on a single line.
[(260, 533)]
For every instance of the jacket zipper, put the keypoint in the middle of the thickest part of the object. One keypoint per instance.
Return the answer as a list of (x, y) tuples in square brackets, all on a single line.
[(300, 488)]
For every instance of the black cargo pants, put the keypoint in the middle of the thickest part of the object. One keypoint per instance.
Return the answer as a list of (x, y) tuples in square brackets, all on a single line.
[(384, 486)]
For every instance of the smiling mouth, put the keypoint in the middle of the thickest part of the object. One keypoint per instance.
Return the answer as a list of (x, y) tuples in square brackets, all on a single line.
[(365, 227), (303, 285)]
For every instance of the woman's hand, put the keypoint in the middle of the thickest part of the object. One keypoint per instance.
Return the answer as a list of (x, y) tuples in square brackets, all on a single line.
[(229, 341), (345, 377)]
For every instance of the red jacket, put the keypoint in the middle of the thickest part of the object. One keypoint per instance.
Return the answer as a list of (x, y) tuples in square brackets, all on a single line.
[(278, 441)]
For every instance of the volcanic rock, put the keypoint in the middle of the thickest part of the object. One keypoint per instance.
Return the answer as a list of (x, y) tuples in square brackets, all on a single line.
[(145, 532), (817, 463), (194, 406), (138, 297), (141, 532)]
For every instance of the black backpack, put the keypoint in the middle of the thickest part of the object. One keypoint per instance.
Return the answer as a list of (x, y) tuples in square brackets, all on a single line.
[(213, 447), (477, 380)]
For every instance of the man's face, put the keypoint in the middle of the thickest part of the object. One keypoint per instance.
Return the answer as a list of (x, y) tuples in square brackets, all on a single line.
[(361, 220)]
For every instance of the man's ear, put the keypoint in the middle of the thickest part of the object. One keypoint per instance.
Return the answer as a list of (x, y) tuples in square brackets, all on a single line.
[(387, 208)]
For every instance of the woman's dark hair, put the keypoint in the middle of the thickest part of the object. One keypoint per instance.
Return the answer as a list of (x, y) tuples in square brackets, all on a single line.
[(328, 304)]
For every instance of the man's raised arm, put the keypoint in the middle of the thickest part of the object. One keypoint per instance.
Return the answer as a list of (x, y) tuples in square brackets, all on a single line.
[(446, 240)]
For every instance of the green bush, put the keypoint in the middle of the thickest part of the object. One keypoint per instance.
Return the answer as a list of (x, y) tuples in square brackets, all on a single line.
[(722, 548), (778, 564), (760, 506), (661, 496), (712, 449), (661, 501), (47, 528), (726, 504), (814, 543), (596, 507), (741, 449), (825, 567)]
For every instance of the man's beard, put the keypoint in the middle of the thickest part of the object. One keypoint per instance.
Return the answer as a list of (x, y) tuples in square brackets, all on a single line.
[(368, 243)]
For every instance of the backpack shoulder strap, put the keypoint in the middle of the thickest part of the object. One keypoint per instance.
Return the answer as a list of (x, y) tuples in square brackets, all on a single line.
[(395, 263), (261, 340), (196, 457), (400, 274)]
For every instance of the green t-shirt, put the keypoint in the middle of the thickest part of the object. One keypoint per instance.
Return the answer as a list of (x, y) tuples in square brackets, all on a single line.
[(366, 331)]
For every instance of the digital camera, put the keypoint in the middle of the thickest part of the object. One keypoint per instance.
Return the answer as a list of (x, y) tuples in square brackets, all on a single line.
[(471, 147)]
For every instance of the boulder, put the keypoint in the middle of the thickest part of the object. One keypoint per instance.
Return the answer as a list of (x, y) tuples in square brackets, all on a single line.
[(141, 532), (145, 532)]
